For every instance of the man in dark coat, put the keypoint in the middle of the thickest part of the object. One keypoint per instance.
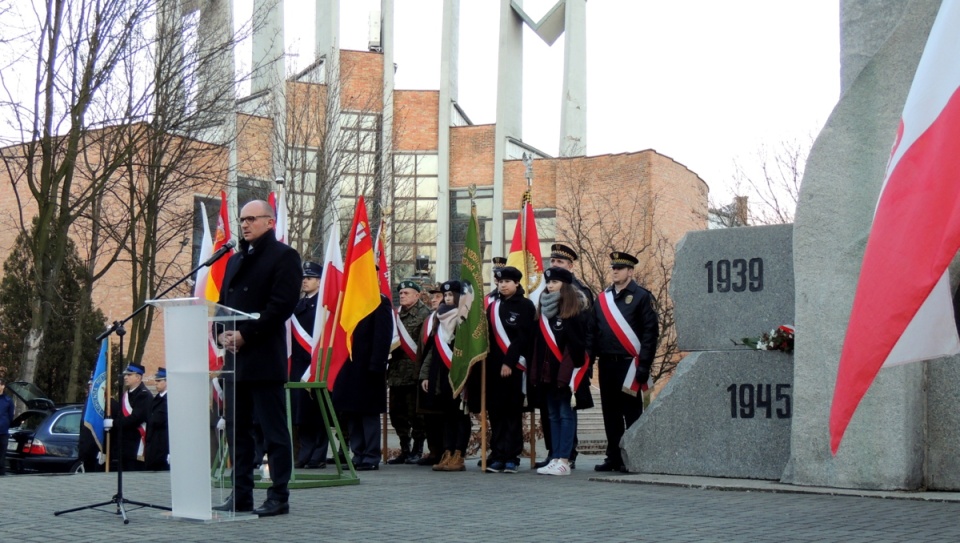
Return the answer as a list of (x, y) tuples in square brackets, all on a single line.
[(263, 277), (402, 377), (360, 391), (305, 411), (636, 305), (135, 405), (158, 434)]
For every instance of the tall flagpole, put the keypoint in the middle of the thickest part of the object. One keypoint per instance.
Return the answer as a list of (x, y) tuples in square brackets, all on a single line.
[(528, 173)]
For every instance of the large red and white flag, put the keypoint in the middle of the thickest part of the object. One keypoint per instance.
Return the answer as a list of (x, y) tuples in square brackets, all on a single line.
[(330, 349), (902, 310)]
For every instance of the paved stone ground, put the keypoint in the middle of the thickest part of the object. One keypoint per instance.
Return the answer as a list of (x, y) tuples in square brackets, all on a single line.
[(414, 504)]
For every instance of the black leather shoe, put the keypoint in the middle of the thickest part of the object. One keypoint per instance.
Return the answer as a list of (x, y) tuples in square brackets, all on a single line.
[(272, 508), (367, 467), (400, 459), (414, 458), (228, 506), (609, 465), (300, 464), (319, 465)]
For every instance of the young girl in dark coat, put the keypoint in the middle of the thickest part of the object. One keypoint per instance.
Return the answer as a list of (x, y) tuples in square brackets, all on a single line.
[(512, 321), (558, 361), (435, 381)]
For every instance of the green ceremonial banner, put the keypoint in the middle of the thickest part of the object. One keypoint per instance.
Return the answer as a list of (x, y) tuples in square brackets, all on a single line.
[(471, 343)]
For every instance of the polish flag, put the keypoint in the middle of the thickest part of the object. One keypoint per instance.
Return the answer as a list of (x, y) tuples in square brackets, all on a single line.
[(330, 348), (902, 310)]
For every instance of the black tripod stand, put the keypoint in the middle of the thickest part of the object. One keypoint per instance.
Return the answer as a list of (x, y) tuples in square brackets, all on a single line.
[(117, 498), (117, 327)]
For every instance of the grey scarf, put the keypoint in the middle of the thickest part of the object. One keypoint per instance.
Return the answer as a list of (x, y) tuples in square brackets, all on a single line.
[(549, 304)]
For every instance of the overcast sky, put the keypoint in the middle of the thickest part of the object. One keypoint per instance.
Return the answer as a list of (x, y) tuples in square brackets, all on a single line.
[(701, 81)]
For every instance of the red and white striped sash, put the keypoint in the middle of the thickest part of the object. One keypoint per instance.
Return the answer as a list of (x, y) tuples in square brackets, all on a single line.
[(627, 338), (127, 411), (443, 347), (302, 337), (503, 341), (407, 343)]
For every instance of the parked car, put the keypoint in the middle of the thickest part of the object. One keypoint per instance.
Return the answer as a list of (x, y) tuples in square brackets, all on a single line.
[(44, 438)]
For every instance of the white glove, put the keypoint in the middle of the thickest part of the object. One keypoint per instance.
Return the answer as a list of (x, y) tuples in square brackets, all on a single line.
[(168, 459), (222, 424), (101, 458), (107, 424)]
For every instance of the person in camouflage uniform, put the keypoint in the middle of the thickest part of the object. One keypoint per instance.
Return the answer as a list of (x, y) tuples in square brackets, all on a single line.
[(402, 378)]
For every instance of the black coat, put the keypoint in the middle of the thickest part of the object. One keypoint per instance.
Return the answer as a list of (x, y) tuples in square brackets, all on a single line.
[(574, 336), (158, 435), (141, 402), (637, 306), (264, 280), (519, 320), (303, 404), (361, 385)]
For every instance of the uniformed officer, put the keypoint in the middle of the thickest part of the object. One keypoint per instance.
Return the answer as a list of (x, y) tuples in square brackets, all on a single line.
[(402, 376), (158, 433), (135, 404), (625, 352), (305, 411), (562, 256), (499, 262)]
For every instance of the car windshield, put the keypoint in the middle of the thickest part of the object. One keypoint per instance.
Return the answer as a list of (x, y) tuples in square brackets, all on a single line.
[(28, 421)]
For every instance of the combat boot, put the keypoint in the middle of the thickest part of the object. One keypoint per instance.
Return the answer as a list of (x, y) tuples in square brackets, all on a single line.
[(404, 454), (455, 463), (417, 453), (439, 466)]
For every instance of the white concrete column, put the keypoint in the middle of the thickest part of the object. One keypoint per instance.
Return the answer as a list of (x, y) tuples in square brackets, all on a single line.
[(573, 106), (449, 53), (509, 106)]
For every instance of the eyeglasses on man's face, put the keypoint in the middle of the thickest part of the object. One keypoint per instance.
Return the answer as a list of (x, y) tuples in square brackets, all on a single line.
[(252, 218)]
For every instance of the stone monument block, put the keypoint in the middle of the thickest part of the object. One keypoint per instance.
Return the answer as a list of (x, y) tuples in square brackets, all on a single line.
[(884, 444), (732, 283), (723, 414)]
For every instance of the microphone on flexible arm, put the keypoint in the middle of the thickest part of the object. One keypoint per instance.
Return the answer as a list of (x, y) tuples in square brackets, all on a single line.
[(220, 252)]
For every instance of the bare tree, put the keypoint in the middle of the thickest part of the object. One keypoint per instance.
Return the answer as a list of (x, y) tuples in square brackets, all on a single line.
[(598, 223), (767, 186), (76, 52)]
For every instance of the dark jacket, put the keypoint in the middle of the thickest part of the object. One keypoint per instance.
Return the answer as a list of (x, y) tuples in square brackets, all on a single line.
[(141, 402), (303, 403), (158, 435), (573, 336), (637, 306), (263, 277), (361, 385), (439, 394), (6, 414), (402, 370), (519, 321)]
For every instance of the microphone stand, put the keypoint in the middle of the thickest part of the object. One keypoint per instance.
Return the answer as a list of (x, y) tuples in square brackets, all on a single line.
[(118, 328)]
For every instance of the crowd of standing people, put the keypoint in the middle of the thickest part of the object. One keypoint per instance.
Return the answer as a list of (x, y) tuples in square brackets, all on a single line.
[(541, 357)]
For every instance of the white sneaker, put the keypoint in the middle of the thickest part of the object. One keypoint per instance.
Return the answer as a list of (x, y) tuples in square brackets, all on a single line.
[(544, 469), (557, 468)]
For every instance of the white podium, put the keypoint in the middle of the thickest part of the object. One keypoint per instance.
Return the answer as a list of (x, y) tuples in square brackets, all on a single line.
[(188, 324)]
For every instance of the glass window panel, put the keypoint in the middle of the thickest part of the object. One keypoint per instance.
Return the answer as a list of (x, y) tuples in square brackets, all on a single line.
[(368, 121), (484, 207), (348, 186), (509, 228), (429, 251), (403, 164), (427, 164), (401, 271), (403, 210), (426, 232), (367, 141), (403, 232), (403, 187), (368, 163), (426, 209), (427, 187), (348, 119)]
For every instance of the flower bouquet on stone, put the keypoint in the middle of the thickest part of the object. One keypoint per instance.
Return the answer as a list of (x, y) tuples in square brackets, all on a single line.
[(778, 339)]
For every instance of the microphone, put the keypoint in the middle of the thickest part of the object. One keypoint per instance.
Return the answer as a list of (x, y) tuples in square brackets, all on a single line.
[(220, 252)]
